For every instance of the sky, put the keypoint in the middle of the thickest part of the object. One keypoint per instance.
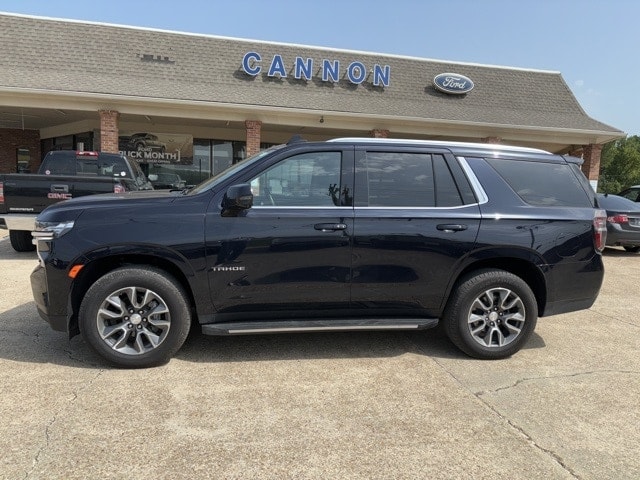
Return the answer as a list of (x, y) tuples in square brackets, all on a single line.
[(593, 43)]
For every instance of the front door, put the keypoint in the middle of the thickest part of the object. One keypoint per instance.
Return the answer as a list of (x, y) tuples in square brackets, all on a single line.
[(290, 254)]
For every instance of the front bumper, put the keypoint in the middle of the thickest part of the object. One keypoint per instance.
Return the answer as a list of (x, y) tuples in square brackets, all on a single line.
[(41, 298)]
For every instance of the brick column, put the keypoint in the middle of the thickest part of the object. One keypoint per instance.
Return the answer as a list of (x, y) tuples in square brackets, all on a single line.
[(378, 133), (591, 166), (254, 128), (109, 131), (491, 140)]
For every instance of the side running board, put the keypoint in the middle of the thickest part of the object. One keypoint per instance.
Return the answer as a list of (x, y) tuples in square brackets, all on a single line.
[(292, 326)]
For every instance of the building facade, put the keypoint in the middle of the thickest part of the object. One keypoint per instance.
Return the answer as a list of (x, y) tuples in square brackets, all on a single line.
[(194, 104)]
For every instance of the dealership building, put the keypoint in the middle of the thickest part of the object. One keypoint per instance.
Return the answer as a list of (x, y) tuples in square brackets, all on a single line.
[(194, 104)]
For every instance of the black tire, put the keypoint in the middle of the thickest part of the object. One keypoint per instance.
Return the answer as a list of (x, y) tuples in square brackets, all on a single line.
[(21, 240), (135, 317), (491, 314), (634, 249)]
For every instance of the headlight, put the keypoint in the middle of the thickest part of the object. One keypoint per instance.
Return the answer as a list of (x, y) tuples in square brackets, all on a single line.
[(51, 230), (45, 232)]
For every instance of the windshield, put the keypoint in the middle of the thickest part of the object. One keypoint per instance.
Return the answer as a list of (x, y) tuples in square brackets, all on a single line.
[(209, 183)]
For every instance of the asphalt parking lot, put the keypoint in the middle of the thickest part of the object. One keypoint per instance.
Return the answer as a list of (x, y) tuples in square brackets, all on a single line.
[(346, 405)]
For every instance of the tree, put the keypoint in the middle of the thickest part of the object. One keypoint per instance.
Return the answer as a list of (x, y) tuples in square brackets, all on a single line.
[(620, 165)]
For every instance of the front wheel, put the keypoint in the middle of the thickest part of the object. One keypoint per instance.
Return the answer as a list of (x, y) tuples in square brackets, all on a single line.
[(491, 314), (135, 317), (633, 249)]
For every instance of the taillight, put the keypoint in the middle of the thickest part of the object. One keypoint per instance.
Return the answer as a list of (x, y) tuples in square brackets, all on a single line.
[(618, 219), (1, 192), (600, 229), (117, 188)]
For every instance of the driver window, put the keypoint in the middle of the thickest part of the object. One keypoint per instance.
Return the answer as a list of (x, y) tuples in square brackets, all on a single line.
[(305, 180)]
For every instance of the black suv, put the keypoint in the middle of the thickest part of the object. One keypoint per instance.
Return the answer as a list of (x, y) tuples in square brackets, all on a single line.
[(349, 234)]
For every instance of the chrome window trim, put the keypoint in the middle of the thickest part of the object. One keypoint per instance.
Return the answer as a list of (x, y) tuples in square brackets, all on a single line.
[(277, 207), (475, 183), (285, 207), (417, 208)]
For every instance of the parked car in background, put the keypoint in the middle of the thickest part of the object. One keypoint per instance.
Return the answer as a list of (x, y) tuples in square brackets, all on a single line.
[(623, 221), (632, 193), (162, 181)]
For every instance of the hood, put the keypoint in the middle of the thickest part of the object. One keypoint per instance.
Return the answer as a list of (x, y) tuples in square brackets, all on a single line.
[(72, 208)]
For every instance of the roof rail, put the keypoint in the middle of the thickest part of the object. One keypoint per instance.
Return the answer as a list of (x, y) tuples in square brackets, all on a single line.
[(439, 143)]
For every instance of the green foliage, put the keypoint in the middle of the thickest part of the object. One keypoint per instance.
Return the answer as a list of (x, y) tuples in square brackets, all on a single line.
[(620, 165)]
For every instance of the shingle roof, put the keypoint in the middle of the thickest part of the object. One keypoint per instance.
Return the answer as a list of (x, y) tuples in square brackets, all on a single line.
[(73, 56)]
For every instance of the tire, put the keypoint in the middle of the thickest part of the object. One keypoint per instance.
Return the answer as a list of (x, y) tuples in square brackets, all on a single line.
[(491, 314), (135, 317), (634, 249), (21, 240)]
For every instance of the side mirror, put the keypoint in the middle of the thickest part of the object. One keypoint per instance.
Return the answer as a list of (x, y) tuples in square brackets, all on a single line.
[(152, 177), (238, 197)]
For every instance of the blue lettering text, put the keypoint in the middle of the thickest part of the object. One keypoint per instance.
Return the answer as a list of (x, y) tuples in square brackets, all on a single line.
[(277, 66), (356, 73), (381, 75), (250, 63), (330, 70), (303, 68)]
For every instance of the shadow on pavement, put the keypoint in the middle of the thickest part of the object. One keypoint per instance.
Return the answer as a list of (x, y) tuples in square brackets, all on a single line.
[(24, 337), (618, 252)]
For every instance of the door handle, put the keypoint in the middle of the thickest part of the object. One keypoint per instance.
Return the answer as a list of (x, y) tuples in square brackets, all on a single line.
[(330, 227), (60, 188), (451, 227)]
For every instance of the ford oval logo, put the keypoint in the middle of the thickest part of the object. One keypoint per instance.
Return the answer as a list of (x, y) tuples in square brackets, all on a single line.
[(453, 83)]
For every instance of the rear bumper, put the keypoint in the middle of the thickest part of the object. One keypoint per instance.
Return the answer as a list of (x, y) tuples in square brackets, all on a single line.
[(622, 238), (18, 222), (41, 298), (569, 296)]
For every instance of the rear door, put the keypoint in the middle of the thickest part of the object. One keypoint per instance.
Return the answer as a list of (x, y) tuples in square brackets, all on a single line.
[(416, 218)]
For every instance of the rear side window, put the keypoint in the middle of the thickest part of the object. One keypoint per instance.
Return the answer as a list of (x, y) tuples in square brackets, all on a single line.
[(406, 179), (542, 184), (400, 179), (632, 194)]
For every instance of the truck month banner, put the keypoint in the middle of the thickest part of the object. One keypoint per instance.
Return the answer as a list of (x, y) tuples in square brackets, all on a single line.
[(157, 148)]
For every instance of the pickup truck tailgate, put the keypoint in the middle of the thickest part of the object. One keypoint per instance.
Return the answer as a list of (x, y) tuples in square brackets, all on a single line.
[(33, 193)]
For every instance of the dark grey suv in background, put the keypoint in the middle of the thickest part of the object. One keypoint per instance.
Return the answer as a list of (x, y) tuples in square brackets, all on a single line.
[(350, 234)]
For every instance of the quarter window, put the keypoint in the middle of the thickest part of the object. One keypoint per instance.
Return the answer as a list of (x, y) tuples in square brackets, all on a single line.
[(305, 180), (541, 183)]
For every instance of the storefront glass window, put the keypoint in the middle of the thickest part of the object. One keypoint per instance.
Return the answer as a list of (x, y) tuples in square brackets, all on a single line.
[(80, 141), (23, 160), (190, 171)]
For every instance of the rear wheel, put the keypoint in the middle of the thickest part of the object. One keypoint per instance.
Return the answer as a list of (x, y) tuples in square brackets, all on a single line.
[(21, 240), (491, 314), (135, 317), (633, 249)]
